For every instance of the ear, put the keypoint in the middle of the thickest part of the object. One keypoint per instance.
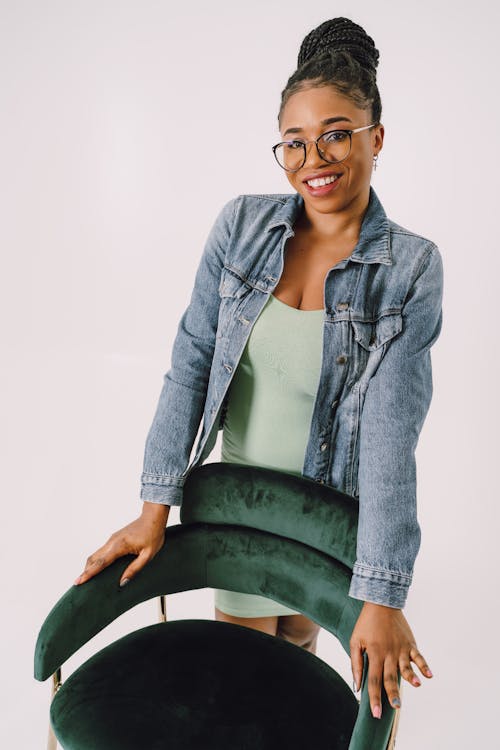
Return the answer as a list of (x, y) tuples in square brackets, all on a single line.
[(378, 137)]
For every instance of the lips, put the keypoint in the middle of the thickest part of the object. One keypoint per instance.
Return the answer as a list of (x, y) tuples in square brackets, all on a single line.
[(318, 175), (323, 190)]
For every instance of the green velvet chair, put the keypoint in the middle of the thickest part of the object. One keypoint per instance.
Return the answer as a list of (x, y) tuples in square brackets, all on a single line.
[(199, 684)]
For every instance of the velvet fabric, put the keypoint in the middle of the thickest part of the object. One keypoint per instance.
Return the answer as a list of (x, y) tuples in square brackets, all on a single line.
[(201, 684), (282, 546), (272, 500)]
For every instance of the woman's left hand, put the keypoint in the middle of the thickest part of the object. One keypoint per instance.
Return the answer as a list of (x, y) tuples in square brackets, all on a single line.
[(385, 635)]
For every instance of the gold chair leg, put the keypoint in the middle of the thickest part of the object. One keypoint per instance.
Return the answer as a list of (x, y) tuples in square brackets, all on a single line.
[(56, 684), (51, 742), (162, 608)]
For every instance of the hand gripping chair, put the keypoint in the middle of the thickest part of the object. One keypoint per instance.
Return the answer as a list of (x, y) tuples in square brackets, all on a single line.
[(199, 684)]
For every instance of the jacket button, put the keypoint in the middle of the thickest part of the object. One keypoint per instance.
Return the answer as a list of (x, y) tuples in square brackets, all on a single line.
[(321, 481), (341, 359), (334, 404), (228, 368), (323, 446), (342, 306)]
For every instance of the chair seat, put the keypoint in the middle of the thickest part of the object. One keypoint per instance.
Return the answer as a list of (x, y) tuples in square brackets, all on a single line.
[(203, 685)]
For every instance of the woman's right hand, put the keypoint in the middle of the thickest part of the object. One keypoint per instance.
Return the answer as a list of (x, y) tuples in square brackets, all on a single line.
[(143, 537)]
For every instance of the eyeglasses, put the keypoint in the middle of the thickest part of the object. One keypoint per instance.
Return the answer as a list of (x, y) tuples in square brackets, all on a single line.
[(333, 146)]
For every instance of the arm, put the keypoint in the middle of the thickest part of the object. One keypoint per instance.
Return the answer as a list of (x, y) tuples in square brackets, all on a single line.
[(180, 406), (178, 414), (395, 406)]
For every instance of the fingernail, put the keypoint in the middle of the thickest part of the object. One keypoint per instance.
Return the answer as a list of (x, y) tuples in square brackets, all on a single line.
[(77, 580), (377, 712), (124, 582), (416, 681), (396, 702), (429, 673), (355, 686)]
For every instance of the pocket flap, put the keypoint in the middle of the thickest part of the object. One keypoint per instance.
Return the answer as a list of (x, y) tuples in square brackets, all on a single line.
[(231, 285), (372, 334)]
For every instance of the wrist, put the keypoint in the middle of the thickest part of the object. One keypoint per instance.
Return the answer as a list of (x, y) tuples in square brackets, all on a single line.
[(375, 606), (155, 511)]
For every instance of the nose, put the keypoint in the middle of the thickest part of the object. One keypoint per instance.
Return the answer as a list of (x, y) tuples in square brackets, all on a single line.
[(313, 157)]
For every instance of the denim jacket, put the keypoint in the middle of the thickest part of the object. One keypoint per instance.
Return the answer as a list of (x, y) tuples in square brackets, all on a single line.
[(383, 312)]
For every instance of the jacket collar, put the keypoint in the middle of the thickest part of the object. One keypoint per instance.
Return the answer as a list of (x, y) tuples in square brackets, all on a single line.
[(373, 244)]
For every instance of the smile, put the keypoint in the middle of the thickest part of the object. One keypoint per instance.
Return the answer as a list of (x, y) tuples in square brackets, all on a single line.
[(318, 181), (323, 185)]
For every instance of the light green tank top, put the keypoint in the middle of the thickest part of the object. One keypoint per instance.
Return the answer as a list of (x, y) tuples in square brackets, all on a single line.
[(272, 393), (269, 411)]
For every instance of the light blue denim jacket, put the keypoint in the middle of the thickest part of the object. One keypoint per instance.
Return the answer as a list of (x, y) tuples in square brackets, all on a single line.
[(383, 313)]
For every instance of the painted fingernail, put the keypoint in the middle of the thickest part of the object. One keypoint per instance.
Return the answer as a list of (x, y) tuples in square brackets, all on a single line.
[(377, 712), (77, 580), (429, 672), (124, 582), (416, 681), (396, 702)]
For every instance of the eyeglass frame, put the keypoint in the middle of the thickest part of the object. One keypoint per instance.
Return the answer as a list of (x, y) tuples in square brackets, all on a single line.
[(305, 143)]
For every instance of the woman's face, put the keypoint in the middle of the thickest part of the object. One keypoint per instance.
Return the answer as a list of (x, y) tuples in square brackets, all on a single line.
[(302, 119)]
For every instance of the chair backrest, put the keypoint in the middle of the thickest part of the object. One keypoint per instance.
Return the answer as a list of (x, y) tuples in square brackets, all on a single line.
[(288, 505), (248, 529), (290, 508)]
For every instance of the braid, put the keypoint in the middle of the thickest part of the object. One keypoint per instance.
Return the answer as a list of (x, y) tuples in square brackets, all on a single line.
[(340, 34), (341, 54)]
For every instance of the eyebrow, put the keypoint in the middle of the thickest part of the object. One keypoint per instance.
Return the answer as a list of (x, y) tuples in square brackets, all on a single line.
[(323, 122)]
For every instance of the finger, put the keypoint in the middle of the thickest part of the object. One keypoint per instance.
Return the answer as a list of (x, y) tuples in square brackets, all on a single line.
[(375, 671), (95, 563), (407, 672), (101, 558), (356, 664), (135, 566), (391, 684), (420, 661)]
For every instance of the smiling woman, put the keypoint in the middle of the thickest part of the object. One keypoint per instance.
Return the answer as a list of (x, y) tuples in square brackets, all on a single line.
[(330, 168), (307, 341)]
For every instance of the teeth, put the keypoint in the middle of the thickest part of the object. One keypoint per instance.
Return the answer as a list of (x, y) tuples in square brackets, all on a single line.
[(322, 181)]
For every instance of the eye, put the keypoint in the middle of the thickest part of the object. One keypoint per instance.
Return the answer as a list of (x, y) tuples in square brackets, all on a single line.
[(335, 136), (293, 145)]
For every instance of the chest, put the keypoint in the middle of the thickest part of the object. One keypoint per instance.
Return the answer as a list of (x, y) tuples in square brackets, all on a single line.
[(306, 263)]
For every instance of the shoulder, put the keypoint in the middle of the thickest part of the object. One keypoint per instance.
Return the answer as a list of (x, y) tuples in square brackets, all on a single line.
[(263, 206), (418, 262), (407, 241), (263, 199), (252, 211)]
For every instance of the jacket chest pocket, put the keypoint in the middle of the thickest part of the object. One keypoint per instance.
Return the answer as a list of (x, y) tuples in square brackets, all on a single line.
[(371, 339), (373, 334), (232, 291)]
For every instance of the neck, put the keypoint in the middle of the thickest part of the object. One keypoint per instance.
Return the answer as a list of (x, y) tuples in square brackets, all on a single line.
[(345, 222)]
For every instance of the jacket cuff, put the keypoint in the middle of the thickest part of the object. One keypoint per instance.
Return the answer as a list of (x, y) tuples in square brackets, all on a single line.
[(379, 586), (167, 494)]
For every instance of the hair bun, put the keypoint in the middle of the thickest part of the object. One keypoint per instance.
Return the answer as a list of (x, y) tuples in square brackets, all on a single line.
[(340, 34)]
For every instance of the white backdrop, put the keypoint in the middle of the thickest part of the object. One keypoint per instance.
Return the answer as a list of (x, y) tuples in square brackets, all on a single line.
[(104, 216)]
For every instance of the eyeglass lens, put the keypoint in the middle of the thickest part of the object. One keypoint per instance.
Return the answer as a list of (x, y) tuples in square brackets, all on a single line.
[(334, 146)]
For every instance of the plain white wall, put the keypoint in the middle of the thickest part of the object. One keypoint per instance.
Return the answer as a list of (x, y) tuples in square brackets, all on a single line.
[(104, 216)]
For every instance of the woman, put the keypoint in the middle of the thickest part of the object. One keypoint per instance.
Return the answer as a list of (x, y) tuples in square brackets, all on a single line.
[(325, 373)]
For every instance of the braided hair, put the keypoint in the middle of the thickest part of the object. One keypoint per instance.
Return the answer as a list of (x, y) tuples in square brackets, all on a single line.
[(338, 53)]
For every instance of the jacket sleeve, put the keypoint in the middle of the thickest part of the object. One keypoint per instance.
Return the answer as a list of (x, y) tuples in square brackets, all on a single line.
[(182, 399), (395, 406)]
